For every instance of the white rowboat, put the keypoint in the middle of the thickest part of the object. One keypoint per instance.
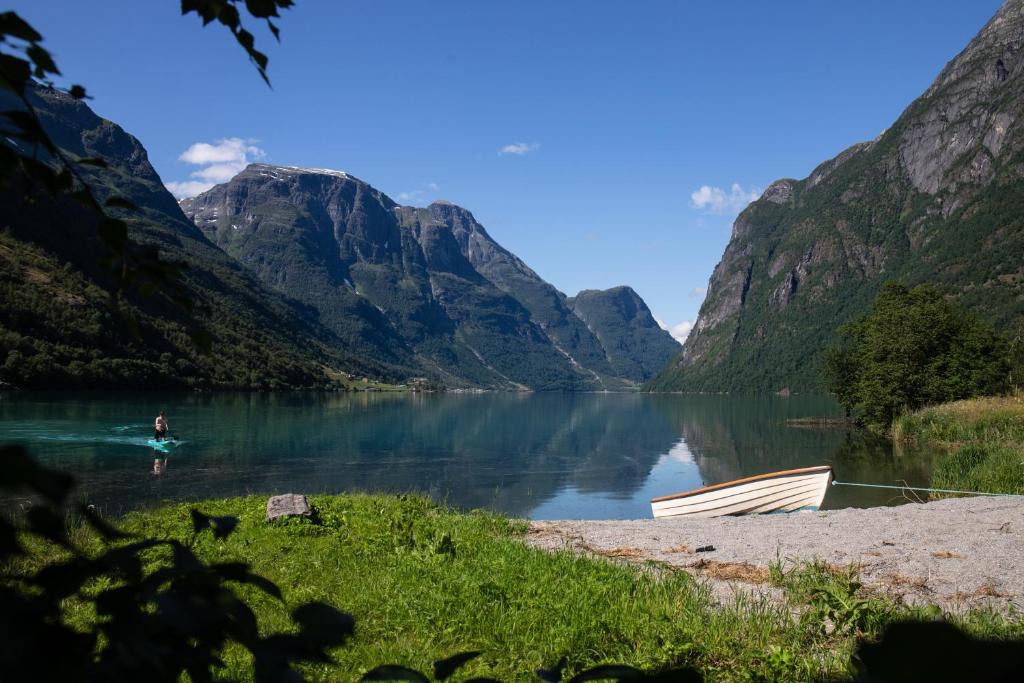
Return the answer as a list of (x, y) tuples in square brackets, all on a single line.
[(783, 491)]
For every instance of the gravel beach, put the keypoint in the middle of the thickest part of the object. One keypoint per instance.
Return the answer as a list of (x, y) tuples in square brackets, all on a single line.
[(957, 553)]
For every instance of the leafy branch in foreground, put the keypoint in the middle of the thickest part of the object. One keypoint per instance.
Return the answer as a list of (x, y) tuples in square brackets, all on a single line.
[(160, 611), (226, 12), (29, 154)]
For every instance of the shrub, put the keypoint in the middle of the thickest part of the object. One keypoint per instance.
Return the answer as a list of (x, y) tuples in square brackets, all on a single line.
[(913, 349)]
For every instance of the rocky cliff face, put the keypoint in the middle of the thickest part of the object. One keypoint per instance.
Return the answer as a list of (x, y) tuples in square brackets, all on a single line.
[(937, 198), (548, 307), (428, 287)]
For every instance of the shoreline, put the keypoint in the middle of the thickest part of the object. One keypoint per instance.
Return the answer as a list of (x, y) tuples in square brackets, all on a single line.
[(957, 553)]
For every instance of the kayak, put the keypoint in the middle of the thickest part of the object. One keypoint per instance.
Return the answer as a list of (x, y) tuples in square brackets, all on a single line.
[(164, 445)]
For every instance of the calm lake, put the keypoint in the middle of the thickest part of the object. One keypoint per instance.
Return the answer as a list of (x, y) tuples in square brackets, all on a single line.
[(544, 456)]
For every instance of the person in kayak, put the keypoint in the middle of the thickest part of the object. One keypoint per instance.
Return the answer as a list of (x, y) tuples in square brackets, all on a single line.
[(160, 427)]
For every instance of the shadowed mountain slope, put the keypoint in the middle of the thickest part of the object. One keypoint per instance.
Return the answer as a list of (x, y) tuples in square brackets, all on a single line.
[(58, 327)]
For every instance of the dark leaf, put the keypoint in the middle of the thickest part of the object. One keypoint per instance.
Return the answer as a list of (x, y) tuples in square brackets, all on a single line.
[(120, 601), (43, 61), (101, 527), (261, 9), (14, 73), (246, 40), (908, 651), (78, 92), (16, 27), (185, 560), (93, 161), (45, 522), (18, 470), (224, 526), (65, 578), (393, 672), (239, 571), (200, 521), (228, 16), (322, 624), (125, 559), (260, 59), (554, 674), (604, 672), (30, 130), (8, 541), (444, 668)]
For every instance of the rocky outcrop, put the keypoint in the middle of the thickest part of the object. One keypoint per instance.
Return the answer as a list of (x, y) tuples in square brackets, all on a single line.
[(935, 198)]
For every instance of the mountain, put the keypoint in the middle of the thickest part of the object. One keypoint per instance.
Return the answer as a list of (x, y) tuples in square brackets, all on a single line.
[(938, 197), (59, 327), (442, 298), (548, 306), (635, 345)]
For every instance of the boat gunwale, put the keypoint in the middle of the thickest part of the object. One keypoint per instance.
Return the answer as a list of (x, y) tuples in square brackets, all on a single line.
[(817, 469)]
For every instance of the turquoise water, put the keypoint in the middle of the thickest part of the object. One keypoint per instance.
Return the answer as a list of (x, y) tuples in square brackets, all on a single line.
[(545, 456)]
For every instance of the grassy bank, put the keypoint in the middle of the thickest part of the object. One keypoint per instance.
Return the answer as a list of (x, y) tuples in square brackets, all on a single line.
[(425, 582), (984, 438)]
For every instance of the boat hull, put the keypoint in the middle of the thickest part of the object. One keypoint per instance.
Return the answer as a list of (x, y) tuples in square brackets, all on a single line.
[(785, 491)]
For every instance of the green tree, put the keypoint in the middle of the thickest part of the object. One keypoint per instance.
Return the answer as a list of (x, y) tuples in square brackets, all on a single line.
[(913, 349)]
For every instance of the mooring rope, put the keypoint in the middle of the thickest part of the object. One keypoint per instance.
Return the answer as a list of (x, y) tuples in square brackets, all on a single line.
[(920, 488)]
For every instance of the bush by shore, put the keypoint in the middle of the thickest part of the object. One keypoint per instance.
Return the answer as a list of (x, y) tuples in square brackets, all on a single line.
[(984, 438)]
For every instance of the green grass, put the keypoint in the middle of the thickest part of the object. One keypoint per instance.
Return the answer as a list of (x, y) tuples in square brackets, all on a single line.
[(424, 582), (984, 440)]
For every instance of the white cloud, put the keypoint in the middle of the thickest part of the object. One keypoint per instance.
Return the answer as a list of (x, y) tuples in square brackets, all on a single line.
[(415, 196), (220, 162), (519, 148), (187, 188), (718, 201), (681, 331), (698, 292), (420, 196)]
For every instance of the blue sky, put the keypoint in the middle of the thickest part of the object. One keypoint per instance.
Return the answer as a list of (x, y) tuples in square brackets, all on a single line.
[(604, 143)]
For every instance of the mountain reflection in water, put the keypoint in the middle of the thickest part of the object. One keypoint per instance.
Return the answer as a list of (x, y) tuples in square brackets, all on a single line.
[(533, 455)]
